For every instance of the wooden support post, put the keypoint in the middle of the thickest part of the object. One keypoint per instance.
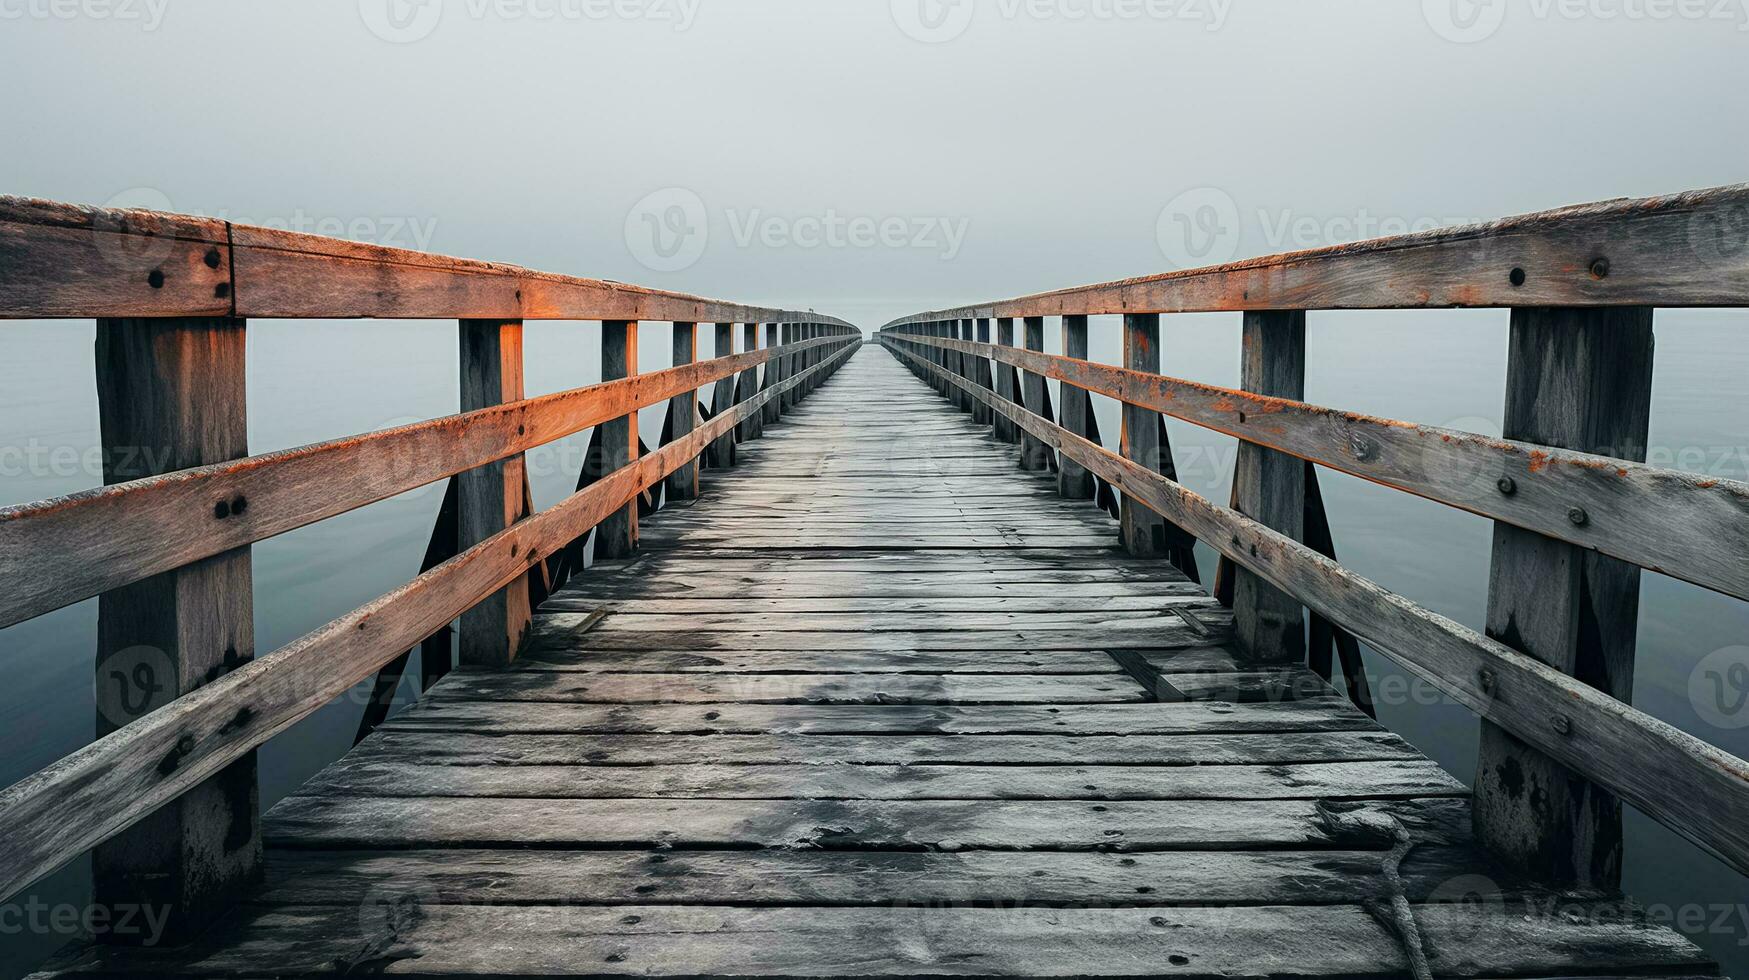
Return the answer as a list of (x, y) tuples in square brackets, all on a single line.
[(1575, 379), (683, 482), (1073, 481), (753, 426), (617, 536), (959, 363), (981, 412), (1270, 487), (489, 498), (786, 367), (1144, 532), (1034, 455), (1006, 387), (722, 454), (171, 396)]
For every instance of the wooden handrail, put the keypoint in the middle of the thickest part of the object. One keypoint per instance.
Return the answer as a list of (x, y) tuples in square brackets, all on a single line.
[(1682, 250), (61, 260), (92, 795), (57, 552), (1695, 789), (1679, 524)]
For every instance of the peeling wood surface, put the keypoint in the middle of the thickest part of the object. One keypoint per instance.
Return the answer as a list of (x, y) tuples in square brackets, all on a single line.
[(811, 779)]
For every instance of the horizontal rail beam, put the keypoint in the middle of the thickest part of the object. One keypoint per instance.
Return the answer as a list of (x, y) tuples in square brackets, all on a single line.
[(1691, 787), (62, 260), (57, 552), (58, 813), (1688, 249)]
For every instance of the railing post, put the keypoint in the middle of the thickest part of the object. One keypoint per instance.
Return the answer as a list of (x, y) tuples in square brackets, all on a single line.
[(489, 498), (1144, 532), (787, 368), (683, 482), (171, 396), (723, 399), (981, 412), (958, 362), (1034, 455), (1575, 379), (1076, 405), (753, 425), (1006, 431), (617, 537), (1270, 488)]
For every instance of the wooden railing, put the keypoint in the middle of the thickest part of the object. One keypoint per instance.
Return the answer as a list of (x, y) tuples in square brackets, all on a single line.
[(1577, 511), (165, 545)]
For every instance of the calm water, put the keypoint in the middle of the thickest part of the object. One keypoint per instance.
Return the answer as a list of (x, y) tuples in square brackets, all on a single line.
[(314, 380)]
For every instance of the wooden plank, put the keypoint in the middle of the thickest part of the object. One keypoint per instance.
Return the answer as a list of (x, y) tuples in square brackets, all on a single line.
[(1024, 879), (1094, 719), (1113, 598), (683, 483), (332, 822), (789, 688), (60, 551), (1270, 488), (453, 940), (171, 394), (759, 781), (1678, 250), (64, 260), (722, 454), (992, 639), (1580, 379), (1186, 750), (490, 498), (73, 805), (1090, 623), (748, 384), (1691, 787), (1659, 519)]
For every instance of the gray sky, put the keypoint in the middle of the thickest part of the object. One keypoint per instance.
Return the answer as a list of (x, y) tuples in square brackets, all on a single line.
[(986, 148)]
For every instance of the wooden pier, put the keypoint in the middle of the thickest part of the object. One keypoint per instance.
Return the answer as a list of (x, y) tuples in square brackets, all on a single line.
[(886, 666)]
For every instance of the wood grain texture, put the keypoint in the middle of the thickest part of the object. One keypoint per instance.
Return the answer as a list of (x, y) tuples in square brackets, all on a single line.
[(171, 394), (490, 498), (60, 551), (683, 412), (1580, 379), (1680, 524), (1270, 487), (1679, 250), (1696, 789)]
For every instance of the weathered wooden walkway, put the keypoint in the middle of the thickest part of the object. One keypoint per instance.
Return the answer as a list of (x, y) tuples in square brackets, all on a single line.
[(877, 704)]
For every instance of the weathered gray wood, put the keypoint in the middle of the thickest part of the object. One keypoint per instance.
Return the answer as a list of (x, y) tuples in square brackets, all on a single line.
[(683, 413), (753, 780), (1582, 380), (1183, 756), (490, 498), (70, 806), (1143, 638), (790, 688), (1270, 488), (722, 453), (1681, 524), (1085, 720), (617, 537), (1034, 455), (171, 395), (363, 822), (1144, 532), (1024, 879), (60, 551), (1073, 481), (1678, 250), (1693, 788), (981, 414), (748, 384)]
